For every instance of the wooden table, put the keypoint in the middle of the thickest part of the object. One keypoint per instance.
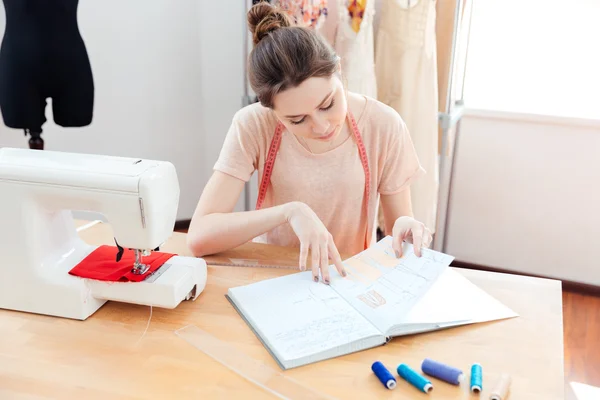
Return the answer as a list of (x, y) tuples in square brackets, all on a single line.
[(106, 357)]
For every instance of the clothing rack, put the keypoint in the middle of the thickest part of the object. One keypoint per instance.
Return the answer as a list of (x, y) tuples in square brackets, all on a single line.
[(449, 122)]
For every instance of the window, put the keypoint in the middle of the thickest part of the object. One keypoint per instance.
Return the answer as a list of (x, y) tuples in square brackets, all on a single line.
[(535, 56)]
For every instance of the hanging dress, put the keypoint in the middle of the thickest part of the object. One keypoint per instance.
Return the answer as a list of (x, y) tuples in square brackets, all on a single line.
[(349, 30), (406, 68), (307, 13)]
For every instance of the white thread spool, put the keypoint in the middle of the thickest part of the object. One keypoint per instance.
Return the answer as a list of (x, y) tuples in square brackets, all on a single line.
[(501, 389)]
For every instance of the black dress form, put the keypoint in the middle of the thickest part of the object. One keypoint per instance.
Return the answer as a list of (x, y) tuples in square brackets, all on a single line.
[(43, 56)]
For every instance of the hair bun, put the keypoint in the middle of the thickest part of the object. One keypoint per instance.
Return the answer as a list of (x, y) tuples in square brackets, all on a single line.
[(264, 18)]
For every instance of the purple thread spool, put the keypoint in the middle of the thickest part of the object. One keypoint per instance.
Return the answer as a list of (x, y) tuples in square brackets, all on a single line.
[(442, 371)]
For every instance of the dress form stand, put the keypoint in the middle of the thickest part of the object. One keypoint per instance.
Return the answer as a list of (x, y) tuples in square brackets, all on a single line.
[(43, 56), (35, 141)]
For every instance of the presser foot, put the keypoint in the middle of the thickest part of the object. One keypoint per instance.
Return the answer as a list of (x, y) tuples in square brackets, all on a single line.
[(139, 268)]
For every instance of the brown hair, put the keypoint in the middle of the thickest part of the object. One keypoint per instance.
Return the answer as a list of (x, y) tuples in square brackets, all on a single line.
[(284, 55)]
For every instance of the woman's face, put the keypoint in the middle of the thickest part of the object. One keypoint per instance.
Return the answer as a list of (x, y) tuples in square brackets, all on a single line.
[(316, 109)]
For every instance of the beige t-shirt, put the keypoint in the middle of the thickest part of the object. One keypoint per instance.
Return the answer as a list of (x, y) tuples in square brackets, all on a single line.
[(331, 183)]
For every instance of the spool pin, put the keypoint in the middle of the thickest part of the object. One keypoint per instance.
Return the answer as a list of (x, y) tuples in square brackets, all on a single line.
[(501, 389), (384, 375), (476, 378), (442, 371), (414, 378)]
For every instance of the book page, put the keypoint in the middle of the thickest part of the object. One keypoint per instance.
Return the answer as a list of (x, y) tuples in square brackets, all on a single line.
[(297, 317), (455, 300), (383, 287)]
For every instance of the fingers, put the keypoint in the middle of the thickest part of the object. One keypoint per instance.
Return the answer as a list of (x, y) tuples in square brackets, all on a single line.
[(324, 261), (428, 238), (314, 251), (417, 234), (303, 255), (413, 231), (398, 240), (337, 259), (397, 245)]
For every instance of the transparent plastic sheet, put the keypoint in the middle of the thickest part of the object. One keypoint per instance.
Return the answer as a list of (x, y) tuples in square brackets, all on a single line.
[(252, 370)]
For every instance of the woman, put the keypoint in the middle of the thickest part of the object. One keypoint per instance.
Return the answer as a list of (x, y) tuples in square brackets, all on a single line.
[(323, 155)]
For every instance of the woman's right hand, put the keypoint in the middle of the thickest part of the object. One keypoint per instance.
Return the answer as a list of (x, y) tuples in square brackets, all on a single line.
[(315, 237)]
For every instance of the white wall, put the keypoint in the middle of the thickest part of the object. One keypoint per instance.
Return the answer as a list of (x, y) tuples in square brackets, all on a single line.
[(164, 88), (526, 195)]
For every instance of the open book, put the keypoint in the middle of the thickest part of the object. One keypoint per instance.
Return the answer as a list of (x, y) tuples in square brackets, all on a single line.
[(301, 321)]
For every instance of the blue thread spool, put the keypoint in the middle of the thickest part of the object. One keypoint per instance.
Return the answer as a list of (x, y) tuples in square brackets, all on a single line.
[(442, 371), (414, 378), (476, 378), (384, 375)]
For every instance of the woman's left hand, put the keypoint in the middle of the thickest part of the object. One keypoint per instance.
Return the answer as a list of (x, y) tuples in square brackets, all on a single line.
[(413, 231)]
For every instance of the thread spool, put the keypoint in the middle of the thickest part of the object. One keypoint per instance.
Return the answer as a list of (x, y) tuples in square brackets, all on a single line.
[(476, 378), (442, 371), (501, 389), (384, 375), (414, 378)]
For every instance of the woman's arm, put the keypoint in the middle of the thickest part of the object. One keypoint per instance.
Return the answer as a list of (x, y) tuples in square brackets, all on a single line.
[(395, 206), (215, 227)]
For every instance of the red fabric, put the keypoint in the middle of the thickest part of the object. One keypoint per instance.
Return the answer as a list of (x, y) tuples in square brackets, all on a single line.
[(102, 265)]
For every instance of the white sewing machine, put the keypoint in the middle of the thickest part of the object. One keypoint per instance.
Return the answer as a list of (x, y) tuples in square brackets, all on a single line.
[(39, 243)]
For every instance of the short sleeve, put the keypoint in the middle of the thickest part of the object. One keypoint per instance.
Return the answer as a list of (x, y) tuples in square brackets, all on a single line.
[(240, 152), (401, 166)]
